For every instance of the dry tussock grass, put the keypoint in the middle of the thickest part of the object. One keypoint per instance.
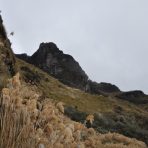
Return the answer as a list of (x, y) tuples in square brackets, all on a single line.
[(24, 125)]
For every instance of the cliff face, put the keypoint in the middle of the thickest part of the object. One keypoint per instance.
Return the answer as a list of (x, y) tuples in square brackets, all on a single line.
[(7, 58), (66, 69), (136, 97), (62, 66)]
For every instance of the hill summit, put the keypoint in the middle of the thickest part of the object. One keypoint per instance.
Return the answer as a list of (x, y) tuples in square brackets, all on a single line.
[(65, 68)]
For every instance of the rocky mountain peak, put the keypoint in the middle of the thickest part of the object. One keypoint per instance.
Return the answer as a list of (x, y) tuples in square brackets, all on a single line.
[(66, 69), (49, 47), (62, 66)]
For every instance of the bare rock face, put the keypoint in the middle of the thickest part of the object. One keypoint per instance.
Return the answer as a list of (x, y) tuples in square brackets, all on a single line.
[(136, 97), (65, 68), (101, 88), (62, 66)]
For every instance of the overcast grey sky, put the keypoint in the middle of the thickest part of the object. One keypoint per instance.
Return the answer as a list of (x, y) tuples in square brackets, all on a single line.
[(109, 38)]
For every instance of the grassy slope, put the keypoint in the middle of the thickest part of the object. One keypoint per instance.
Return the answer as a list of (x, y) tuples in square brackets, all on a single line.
[(32, 126), (132, 121)]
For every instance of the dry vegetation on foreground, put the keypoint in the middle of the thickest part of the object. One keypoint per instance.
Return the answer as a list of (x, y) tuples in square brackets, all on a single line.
[(27, 121)]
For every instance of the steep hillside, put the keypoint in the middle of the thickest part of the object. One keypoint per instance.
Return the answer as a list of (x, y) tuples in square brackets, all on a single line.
[(49, 58), (111, 109), (7, 59), (28, 121), (111, 113)]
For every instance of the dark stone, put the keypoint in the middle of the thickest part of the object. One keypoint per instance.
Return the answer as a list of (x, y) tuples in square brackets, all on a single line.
[(102, 88), (88, 124), (136, 97), (24, 57), (3, 33), (62, 66)]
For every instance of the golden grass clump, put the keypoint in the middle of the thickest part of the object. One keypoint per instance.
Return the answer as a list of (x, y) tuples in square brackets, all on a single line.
[(16, 81), (90, 118), (60, 106)]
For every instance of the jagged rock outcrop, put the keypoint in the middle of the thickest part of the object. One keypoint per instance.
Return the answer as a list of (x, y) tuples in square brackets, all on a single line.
[(66, 69), (136, 97), (7, 58), (24, 57), (62, 66), (101, 88)]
